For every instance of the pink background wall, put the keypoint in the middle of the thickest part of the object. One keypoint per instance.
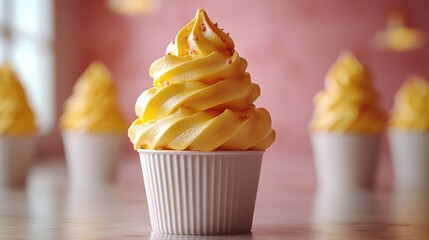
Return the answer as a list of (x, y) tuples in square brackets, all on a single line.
[(289, 46)]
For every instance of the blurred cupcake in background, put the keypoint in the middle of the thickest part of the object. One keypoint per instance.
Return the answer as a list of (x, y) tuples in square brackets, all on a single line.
[(93, 128), (346, 126), (17, 130), (409, 134), (133, 7), (398, 35)]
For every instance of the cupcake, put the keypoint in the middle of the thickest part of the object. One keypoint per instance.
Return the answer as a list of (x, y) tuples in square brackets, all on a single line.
[(92, 128), (17, 131), (398, 35), (409, 135), (346, 126), (199, 135)]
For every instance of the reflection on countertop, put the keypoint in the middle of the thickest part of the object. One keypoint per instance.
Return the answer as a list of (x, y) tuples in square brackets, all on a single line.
[(287, 207), (410, 211), (350, 214)]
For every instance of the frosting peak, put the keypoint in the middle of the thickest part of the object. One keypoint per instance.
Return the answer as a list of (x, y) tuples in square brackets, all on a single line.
[(346, 73), (201, 52), (200, 37)]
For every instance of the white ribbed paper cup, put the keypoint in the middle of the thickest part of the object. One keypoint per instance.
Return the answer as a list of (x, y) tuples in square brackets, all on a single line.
[(92, 158), (410, 155), (190, 192), (16, 155), (344, 161)]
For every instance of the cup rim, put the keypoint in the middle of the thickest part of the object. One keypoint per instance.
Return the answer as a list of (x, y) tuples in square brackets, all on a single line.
[(407, 131), (338, 133), (84, 132), (184, 152), (19, 136)]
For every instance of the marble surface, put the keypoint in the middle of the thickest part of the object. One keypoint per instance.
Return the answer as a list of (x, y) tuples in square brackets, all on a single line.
[(288, 207)]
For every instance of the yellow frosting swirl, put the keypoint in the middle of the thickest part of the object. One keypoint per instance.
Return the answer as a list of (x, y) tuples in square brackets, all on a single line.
[(411, 110), (349, 102), (93, 105), (16, 116), (202, 98)]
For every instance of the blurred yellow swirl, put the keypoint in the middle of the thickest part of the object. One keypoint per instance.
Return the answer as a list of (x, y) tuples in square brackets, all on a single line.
[(16, 116), (349, 103), (411, 110), (93, 105)]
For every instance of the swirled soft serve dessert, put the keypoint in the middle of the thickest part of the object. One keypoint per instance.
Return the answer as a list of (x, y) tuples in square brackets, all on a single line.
[(349, 102), (411, 111), (93, 106), (202, 99), (16, 116)]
